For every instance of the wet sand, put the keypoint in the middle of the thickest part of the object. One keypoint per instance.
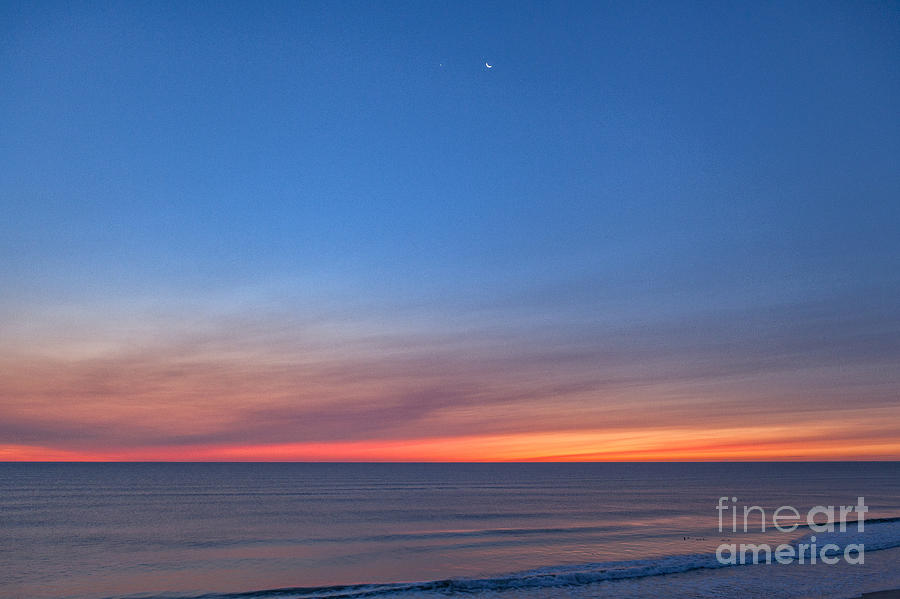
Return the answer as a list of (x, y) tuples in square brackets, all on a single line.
[(895, 594)]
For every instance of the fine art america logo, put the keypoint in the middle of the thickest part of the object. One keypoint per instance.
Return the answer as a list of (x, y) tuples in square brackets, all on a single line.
[(825, 520)]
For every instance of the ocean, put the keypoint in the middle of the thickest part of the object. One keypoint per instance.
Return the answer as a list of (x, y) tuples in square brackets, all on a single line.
[(300, 530)]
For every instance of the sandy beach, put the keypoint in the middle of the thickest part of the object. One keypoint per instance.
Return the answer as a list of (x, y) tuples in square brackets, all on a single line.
[(892, 594)]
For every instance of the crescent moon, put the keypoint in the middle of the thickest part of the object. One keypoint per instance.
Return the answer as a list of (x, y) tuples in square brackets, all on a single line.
[(488, 66)]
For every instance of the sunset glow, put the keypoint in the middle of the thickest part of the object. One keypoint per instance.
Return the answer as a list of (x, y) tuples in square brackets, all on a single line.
[(295, 236), (626, 446)]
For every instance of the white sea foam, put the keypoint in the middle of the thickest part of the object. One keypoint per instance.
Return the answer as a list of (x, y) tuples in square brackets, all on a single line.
[(624, 578), (875, 535)]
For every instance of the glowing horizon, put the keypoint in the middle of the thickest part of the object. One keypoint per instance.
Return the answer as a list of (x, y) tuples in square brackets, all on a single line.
[(262, 387)]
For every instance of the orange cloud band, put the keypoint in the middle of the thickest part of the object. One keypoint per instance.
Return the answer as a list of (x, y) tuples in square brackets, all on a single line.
[(762, 443)]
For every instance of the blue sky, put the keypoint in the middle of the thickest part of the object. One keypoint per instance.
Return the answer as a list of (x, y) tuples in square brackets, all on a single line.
[(642, 167)]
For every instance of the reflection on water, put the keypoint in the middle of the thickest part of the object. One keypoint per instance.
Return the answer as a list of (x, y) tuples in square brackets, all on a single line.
[(93, 530)]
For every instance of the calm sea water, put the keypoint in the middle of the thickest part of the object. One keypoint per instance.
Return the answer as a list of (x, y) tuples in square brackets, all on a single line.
[(505, 530)]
